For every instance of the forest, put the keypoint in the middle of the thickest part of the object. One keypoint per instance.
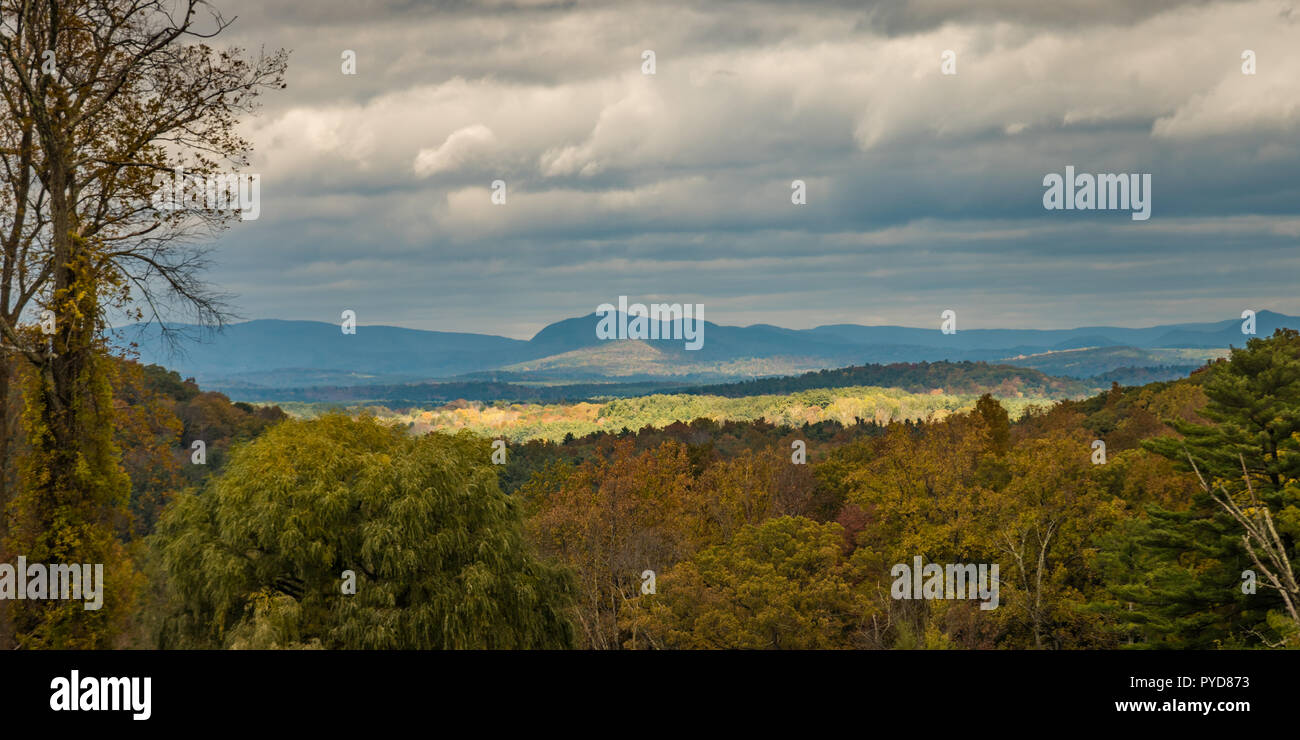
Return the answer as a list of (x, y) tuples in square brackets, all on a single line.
[(519, 422), (352, 531), (916, 377), (773, 515)]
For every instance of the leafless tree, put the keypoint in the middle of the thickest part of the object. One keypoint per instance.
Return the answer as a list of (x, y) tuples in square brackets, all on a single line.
[(1260, 538)]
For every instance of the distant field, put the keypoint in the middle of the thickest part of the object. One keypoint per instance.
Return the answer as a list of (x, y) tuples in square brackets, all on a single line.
[(519, 422)]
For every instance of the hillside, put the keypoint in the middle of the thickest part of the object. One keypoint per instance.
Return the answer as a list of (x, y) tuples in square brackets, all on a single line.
[(267, 354), (946, 377), (1004, 381), (1091, 362), (553, 422)]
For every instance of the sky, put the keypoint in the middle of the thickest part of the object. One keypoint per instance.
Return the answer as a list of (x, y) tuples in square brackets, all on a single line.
[(924, 190)]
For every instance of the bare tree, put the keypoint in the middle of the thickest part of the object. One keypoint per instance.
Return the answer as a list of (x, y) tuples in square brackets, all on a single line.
[(1262, 542), (99, 98)]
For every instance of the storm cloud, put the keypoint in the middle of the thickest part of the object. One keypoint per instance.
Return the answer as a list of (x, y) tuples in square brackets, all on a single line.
[(924, 190)]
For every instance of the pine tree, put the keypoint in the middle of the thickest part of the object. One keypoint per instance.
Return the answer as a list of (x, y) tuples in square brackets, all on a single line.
[(1193, 596)]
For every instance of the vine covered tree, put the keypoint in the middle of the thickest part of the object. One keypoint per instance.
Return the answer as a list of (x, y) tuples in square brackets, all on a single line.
[(99, 98)]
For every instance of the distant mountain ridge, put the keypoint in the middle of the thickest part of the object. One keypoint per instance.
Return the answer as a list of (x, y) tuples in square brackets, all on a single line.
[(273, 353)]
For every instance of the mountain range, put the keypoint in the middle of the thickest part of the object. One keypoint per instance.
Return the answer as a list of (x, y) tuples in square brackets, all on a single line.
[(267, 354)]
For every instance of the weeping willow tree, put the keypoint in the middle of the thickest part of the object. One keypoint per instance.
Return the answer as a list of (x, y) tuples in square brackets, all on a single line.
[(347, 533), (98, 98)]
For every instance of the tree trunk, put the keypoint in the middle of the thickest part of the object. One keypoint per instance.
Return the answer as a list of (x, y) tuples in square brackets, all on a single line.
[(71, 481)]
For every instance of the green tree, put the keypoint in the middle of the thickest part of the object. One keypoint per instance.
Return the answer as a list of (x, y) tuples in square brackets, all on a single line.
[(782, 584), (1249, 454), (610, 520), (73, 514), (1041, 527), (258, 558), (997, 421), (1254, 410)]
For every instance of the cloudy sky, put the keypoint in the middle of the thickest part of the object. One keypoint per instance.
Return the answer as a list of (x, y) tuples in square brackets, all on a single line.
[(924, 190)]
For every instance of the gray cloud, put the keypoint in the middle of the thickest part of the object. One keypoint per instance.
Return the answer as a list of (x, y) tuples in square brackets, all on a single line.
[(911, 16), (924, 189)]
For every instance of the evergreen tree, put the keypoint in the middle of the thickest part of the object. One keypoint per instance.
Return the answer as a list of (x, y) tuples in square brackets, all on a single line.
[(1193, 596)]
